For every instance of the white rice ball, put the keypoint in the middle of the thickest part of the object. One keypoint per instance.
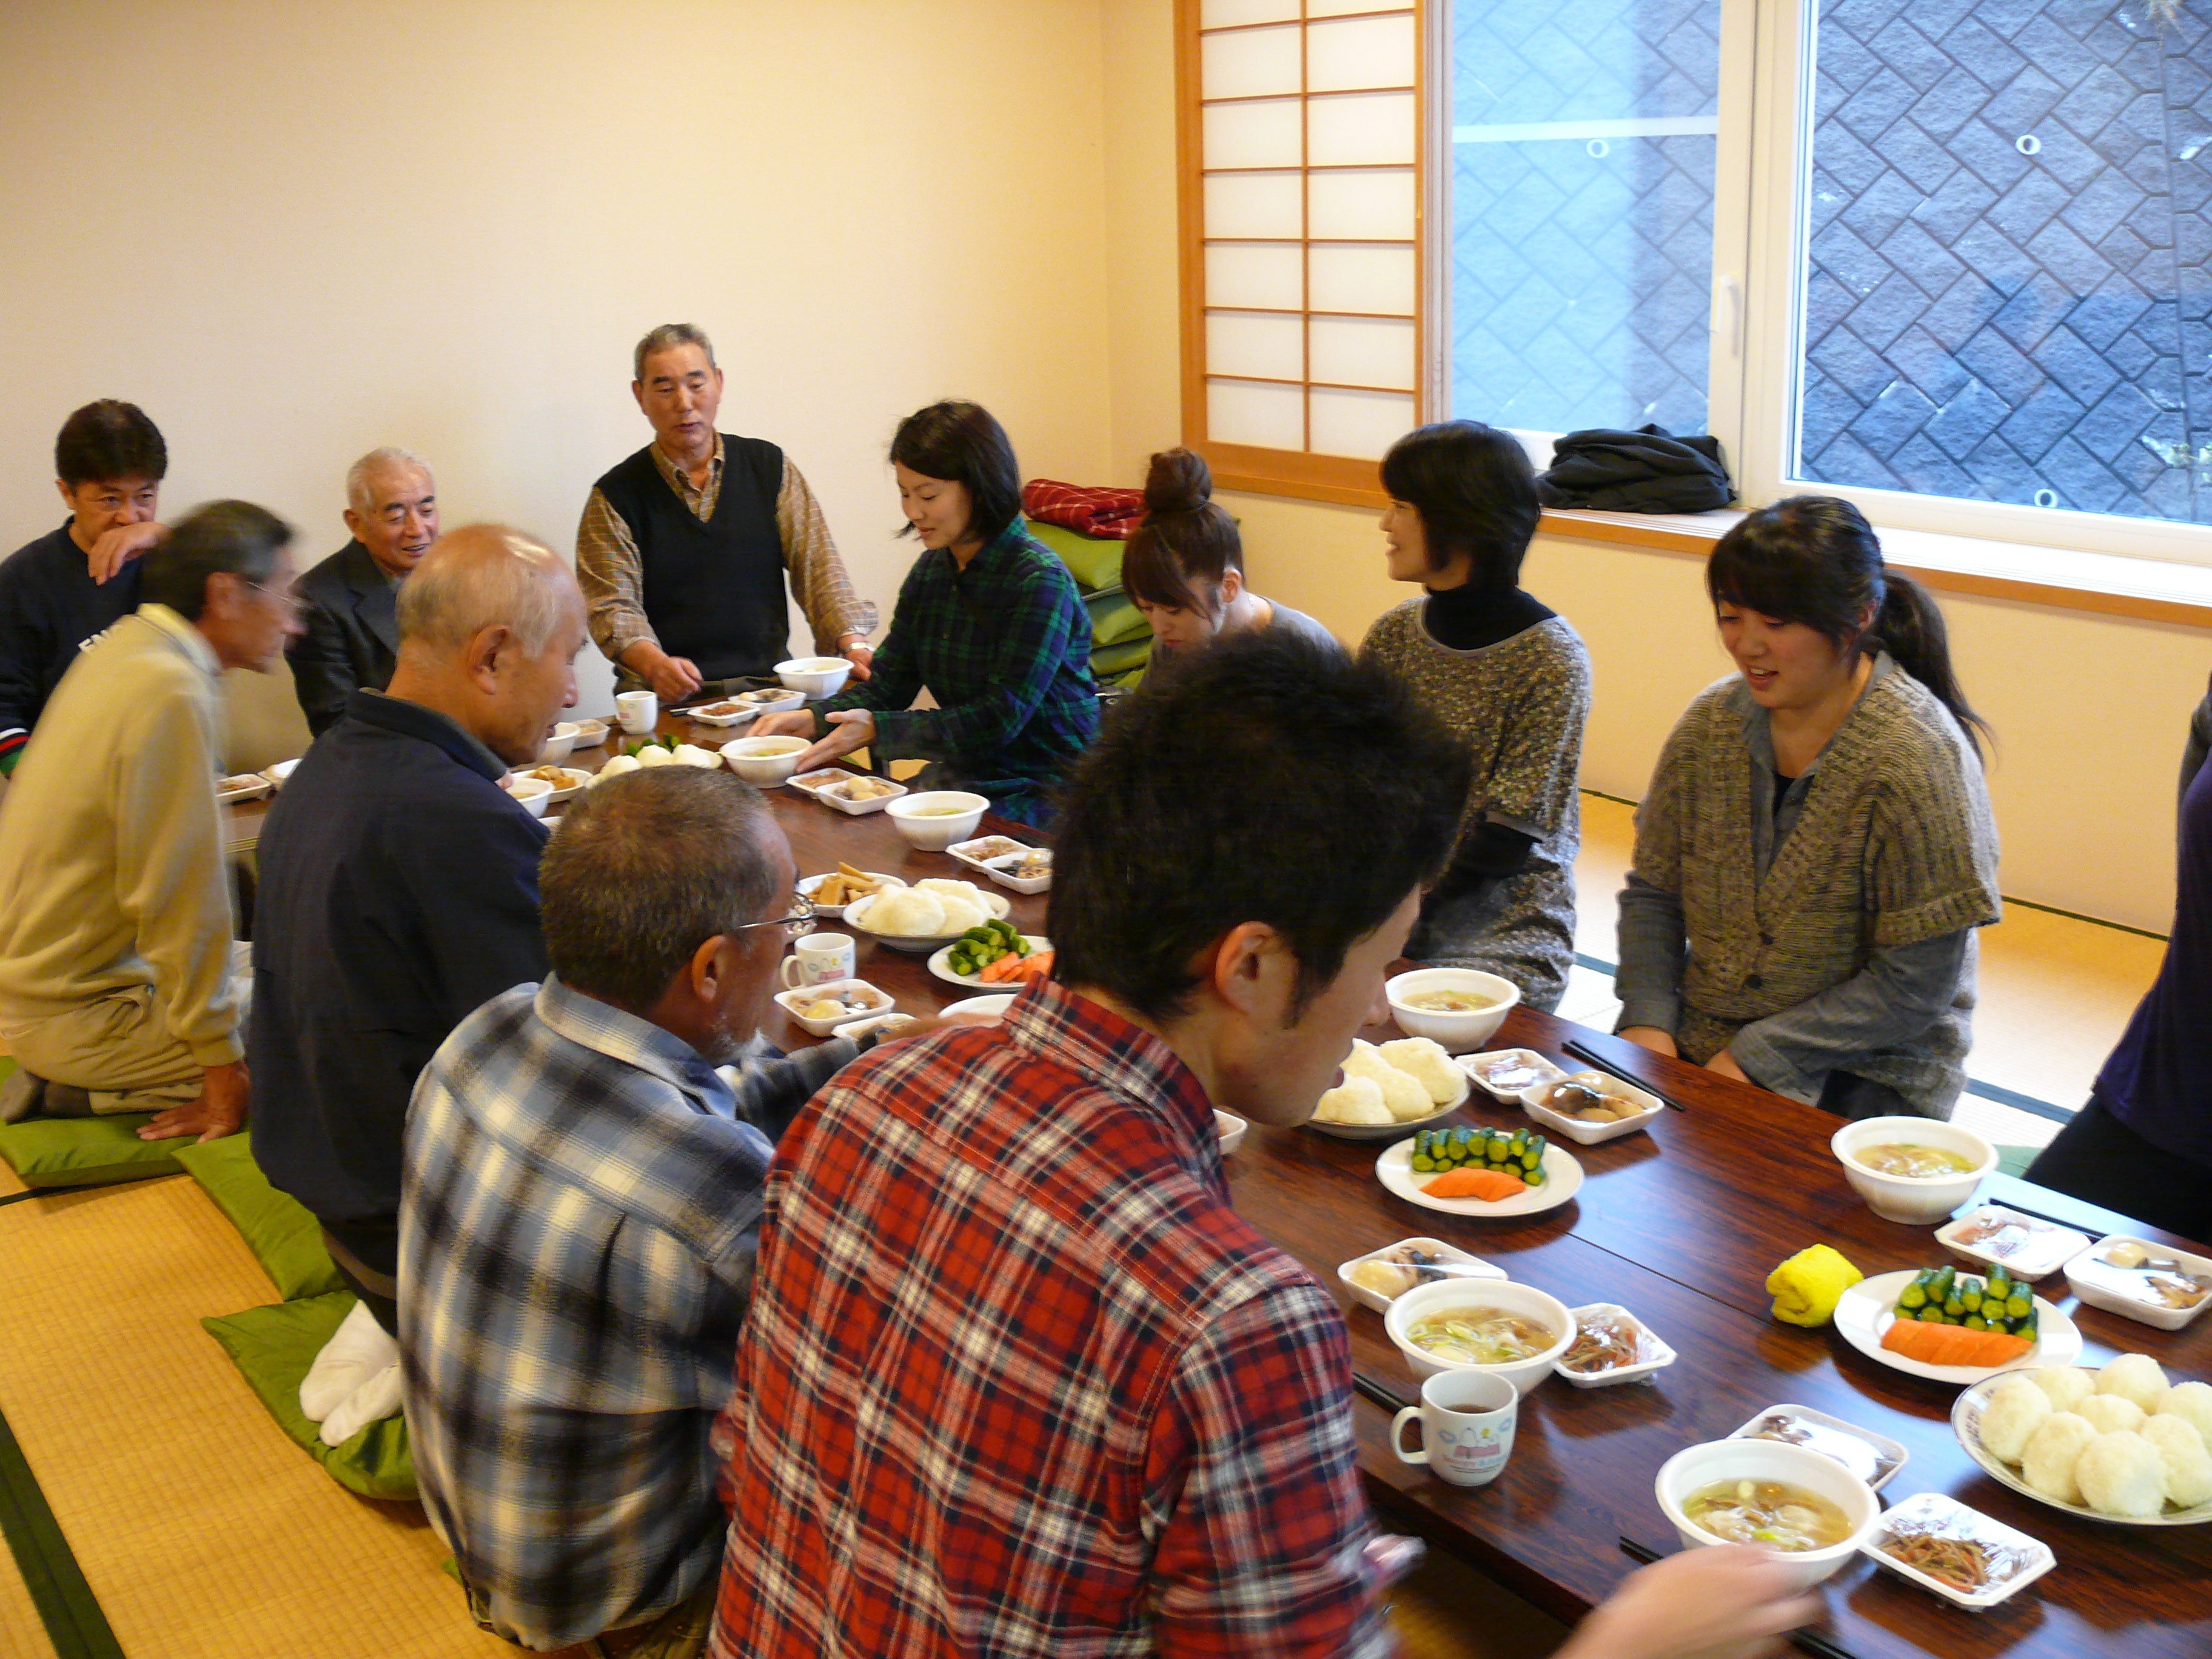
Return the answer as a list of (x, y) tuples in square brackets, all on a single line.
[(2182, 1453), (691, 754), (1356, 1100), (1365, 1060), (1425, 1061), (2067, 1385), (2121, 1474), (615, 768), (2015, 1410), (961, 914), (653, 755), (2135, 1377), (2110, 1414), (1403, 1095), (906, 912), (2192, 1403), (2047, 1465)]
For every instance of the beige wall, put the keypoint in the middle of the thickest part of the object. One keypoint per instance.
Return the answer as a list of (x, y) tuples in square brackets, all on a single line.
[(293, 233), (2090, 711)]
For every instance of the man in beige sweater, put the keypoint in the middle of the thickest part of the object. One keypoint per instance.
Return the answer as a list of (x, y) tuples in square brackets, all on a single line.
[(116, 990)]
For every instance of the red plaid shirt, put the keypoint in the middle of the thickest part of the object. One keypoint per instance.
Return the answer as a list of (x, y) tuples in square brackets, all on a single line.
[(1111, 514), (1017, 1381)]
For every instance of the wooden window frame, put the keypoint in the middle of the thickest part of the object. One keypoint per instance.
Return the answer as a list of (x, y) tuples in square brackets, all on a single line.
[(1298, 473)]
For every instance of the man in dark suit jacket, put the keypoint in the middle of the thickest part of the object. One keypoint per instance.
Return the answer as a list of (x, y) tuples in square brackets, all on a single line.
[(348, 601)]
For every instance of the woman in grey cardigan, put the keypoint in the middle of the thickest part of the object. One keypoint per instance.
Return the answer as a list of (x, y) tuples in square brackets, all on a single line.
[(1510, 680), (1816, 849)]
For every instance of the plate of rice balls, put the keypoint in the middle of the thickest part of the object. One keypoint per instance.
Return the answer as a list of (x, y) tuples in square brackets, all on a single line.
[(1390, 1089), (2120, 1445), (926, 917)]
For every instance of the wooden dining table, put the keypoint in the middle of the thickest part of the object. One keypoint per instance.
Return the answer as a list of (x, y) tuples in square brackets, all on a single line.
[(1680, 1224)]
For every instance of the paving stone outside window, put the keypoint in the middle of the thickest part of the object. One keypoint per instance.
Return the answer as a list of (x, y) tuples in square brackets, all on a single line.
[(1581, 282), (2009, 283)]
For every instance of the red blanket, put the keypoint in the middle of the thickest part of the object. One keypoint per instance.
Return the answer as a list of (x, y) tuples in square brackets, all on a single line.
[(1113, 515)]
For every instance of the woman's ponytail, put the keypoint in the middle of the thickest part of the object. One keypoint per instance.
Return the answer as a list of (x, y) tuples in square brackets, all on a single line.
[(1911, 627)]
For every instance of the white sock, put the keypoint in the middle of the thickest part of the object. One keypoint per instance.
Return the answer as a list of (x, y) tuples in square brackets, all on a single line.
[(377, 1398), (357, 1352)]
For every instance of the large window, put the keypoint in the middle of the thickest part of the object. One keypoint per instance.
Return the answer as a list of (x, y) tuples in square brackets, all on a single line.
[(1950, 258)]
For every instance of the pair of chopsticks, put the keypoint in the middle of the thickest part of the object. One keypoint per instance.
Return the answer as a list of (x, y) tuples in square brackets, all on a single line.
[(1584, 1052), (1819, 1646), (1381, 1392)]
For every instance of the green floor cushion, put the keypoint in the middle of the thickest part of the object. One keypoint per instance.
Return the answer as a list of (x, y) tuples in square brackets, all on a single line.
[(1121, 658), (273, 1348), (2015, 1160), (284, 1238), (1095, 561), (1114, 618), (85, 1151)]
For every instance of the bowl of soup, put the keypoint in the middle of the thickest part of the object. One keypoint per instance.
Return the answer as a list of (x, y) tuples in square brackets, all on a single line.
[(1508, 1330), (1808, 1509), (933, 819), (1460, 1008), (814, 677), (764, 760), (1913, 1169)]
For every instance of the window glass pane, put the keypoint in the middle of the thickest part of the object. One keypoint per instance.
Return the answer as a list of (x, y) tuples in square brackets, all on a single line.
[(1370, 351), (1248, 63), (1359, 52), (1353, 128), (1253, 204), (1264, 274), (1582, 149), (1369, 203), (1355, 278), (1252, 134), (1254, 412), (1225, 14), (2006, 294), (1255, 343), (1361, 424)]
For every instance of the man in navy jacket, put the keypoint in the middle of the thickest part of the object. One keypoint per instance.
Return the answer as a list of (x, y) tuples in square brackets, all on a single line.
[(399, 883)]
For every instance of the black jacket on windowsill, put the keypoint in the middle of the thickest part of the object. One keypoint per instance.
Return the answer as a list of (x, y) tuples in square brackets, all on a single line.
[(1646, 470)]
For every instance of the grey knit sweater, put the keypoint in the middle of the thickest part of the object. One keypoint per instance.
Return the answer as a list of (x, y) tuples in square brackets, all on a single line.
[(1519, 707), (1893, 846)]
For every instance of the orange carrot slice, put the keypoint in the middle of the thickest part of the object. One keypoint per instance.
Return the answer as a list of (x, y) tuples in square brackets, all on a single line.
[(1953, 1344), (1001, 970), (1488, 1185)]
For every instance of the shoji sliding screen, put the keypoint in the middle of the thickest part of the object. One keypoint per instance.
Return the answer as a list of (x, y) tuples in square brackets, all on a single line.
[(1308, 323)]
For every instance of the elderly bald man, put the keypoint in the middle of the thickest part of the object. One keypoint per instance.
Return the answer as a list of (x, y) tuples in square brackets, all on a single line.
[(349, 601), (400, 885)]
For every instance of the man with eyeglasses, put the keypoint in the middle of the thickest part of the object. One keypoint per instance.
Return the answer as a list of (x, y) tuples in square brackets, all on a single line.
[(398, 893), (351, 599), (583, 1193), (116, 983)]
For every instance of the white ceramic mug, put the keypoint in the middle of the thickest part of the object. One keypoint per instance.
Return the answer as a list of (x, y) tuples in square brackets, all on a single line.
[(818, 958), (641, 712), (1466, 1421)]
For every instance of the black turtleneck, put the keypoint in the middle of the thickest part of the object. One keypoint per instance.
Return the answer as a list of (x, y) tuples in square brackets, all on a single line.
[(1474, 614)]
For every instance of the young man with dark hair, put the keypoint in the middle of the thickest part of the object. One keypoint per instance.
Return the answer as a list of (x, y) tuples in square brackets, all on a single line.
[(582, 1203), (1017, 1379), (116, 986), (58, 594)]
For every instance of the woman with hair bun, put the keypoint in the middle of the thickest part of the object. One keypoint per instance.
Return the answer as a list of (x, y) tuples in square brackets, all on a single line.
[(1816, 849), (1510, 680), (1184, 568), (988, 620)]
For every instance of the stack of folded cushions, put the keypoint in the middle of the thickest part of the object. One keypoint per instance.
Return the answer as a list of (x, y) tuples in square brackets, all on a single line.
[(1121, 638), (275, 1346)]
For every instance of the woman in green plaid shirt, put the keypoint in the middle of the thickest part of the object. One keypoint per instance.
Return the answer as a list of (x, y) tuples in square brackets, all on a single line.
[(988, 620)]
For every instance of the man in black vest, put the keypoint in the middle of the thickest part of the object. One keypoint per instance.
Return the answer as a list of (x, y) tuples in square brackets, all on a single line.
[(349, 602), (685, 547)]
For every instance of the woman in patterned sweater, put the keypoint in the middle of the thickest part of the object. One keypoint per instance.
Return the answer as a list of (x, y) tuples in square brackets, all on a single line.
[(987, 619), (1506, 676), (1816, 849)]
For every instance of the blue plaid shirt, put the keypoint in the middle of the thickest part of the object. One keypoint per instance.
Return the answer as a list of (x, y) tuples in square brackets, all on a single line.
[(581, 1205)]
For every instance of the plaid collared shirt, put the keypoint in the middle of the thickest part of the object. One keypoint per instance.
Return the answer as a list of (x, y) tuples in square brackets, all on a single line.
[(612, 573), (582, 1198), (1018, 1381), (1005, 647)]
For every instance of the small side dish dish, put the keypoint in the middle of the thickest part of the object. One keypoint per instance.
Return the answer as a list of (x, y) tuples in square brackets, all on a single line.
[(1873, 1457), (1590, 1107), (1961, 1554), (1507, 1073), (2026, 1246), (1612, 1345), (1380, 1276), (2139, 1280)]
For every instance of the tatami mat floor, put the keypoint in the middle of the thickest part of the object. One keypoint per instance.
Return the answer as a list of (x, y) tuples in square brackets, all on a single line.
[(204, 1535)]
